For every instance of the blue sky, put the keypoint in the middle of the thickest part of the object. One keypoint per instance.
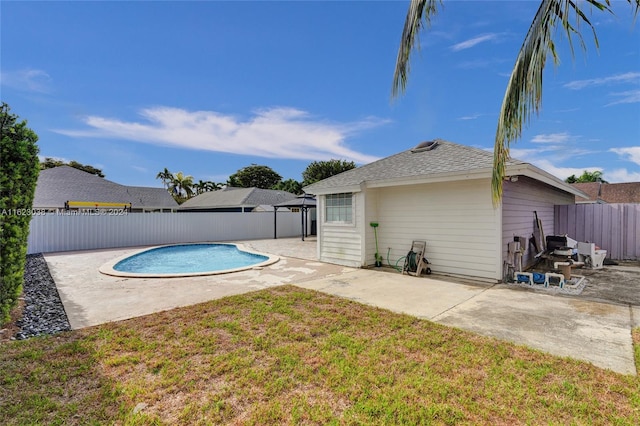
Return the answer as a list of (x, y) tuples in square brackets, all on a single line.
[(207, 88)]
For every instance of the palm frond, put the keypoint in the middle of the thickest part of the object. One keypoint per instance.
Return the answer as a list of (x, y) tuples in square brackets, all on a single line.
[(524, 91), (420, 13)]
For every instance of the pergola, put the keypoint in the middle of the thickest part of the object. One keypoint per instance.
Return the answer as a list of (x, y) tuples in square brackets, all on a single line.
[(304, 203)]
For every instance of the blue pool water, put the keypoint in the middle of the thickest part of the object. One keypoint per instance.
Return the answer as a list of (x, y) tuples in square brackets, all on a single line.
[(189, 258)]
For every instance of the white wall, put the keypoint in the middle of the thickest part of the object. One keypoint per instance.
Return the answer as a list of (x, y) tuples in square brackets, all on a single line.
[(456, 219), (53, 232), (341, 243), (371, 215), (519, 201)]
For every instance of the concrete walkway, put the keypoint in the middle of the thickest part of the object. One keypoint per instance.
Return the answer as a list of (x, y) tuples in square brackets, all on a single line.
[(91, 298), (595, 332), (599, 333)]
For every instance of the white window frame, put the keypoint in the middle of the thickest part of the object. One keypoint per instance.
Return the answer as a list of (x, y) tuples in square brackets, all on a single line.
[(340, 209)]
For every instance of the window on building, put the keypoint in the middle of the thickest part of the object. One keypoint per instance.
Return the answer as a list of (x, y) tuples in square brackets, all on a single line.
[(339, 208)]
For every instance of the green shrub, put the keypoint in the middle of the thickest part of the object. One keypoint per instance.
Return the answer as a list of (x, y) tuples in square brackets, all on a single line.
[(19, 168)]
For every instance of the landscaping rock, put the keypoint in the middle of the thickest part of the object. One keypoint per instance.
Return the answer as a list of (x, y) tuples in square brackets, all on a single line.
[(43, 310)]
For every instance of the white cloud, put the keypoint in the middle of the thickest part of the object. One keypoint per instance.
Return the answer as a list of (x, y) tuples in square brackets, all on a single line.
[(470, 117), (563, 172), (627, 97), (629, 77), (27, 80), (523, 154), (286, 133), (467, 44), (622, 175), (631, 153), (552, 138)]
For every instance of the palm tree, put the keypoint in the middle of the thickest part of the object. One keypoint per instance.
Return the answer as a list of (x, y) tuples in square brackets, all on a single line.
[(211, 186), (181, 186), (205, 186), (524, 90), (165, 176), (199, 187)]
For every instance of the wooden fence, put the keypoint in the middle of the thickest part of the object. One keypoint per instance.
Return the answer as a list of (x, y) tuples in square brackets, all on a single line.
[(613, 227), (64, 232)]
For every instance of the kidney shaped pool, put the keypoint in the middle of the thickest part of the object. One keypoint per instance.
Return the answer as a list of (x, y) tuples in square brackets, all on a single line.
[(184, 260)]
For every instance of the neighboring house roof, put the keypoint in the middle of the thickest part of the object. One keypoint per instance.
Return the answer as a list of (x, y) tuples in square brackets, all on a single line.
[(628, 192), (444, 161), (236, 197), (58, 185)]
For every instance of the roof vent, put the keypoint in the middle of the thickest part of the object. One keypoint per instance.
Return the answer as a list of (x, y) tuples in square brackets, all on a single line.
[(425, 146)]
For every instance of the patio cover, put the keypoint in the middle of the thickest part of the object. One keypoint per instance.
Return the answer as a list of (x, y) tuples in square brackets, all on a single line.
[(304, 203)]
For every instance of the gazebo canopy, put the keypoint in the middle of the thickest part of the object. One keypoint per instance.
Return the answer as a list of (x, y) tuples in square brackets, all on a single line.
[(304, 202)]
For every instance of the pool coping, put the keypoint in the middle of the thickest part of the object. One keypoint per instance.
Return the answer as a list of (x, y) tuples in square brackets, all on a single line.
[(108, 268)]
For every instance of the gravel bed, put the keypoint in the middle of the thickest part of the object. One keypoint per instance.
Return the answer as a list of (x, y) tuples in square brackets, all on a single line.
[(43, 310)]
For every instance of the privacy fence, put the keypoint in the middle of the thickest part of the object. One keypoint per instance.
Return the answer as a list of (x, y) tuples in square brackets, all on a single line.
[(613, 227), (63, 232)]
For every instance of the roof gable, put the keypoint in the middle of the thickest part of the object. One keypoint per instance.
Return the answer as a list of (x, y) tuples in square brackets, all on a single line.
[(442, 159), (440, 162)]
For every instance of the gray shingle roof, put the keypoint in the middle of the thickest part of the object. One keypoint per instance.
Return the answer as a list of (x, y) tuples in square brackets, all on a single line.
[(60, 184), (445, 158), (236, 197)]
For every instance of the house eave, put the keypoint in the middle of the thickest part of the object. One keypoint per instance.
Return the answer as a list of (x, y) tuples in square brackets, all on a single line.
[(414, 180), (526, 169), (521, 169)]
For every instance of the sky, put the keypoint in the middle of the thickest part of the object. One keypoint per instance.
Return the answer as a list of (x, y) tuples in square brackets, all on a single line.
[(210, 87)]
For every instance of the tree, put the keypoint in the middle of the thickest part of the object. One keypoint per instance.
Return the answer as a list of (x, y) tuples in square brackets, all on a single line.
[(254, 176), (289, 185), (205, 186), (181, 187), (19, 170), (49, 163), (587, 176), (524, 89), (318, 170), (166, 177)]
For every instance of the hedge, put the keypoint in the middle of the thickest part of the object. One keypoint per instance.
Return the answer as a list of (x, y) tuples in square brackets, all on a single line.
[(19, 168)]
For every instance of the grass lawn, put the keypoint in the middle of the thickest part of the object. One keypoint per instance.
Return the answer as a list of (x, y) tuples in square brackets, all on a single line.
[(291, 356)]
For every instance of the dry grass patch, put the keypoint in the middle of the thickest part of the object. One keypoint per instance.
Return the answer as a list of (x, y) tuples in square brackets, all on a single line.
[(293, 356)]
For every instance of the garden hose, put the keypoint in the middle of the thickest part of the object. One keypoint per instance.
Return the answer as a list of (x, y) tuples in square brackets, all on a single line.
[(396, 267)]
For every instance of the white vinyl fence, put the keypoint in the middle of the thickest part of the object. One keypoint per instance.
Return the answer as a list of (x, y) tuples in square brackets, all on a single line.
[(60, 232)]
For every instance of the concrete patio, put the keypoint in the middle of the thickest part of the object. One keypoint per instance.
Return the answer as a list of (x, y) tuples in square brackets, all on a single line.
[(594, 331)]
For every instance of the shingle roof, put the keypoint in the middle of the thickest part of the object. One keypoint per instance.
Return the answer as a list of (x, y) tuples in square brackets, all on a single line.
[(60, 184), (628, 192), (445, 158), (236, 197)]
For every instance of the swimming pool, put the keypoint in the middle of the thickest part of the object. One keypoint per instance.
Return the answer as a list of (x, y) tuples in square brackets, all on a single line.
[(184, 260)]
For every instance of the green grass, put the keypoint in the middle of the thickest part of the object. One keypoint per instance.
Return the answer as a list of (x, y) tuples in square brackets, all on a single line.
[(293, 356)]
